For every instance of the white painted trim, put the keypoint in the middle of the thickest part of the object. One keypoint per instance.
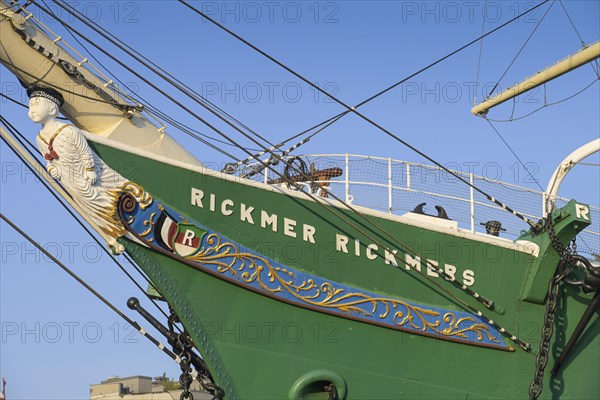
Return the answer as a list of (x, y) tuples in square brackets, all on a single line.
[(563, 169), (521, 246), (414, 218)]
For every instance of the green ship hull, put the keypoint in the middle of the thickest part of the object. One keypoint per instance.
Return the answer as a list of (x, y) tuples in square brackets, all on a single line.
[(259, 347), (291, 297)]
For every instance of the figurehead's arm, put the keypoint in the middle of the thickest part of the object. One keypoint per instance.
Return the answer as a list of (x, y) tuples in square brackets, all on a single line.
[(87, 156), (51, 166)]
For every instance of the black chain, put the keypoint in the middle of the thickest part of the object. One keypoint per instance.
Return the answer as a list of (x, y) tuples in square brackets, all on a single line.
[(591, 282), (212, 388), (566, 253), (172, 320), (567, 256), (185, 378), (183, 347), (535, 389)]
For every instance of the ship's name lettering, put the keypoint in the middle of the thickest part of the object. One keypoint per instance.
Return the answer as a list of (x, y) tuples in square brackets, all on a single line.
[(345, 245), (251, 215), (290, 227)]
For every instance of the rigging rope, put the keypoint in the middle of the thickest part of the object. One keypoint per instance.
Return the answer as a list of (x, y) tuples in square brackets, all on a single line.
[(194, 132), (572, 24), (583, 44), (321, 127), (514, 154), (272, 160), (588, 164), (480, 53)]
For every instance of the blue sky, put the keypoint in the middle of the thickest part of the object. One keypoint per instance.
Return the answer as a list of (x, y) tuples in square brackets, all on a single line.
[(57, 339)]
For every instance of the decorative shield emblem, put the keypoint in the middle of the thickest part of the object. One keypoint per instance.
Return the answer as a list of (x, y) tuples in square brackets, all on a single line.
[(187, 239)]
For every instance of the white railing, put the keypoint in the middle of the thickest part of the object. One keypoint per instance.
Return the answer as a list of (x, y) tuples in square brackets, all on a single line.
[(396, 186)]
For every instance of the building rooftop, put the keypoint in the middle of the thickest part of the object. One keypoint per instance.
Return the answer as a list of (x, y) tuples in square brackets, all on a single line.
[(139, 387)]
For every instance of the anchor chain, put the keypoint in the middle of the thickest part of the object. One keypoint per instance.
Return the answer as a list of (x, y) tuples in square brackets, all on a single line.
[(591, 282), (183, 347), (185, 378), (567, 255), (535, 389)]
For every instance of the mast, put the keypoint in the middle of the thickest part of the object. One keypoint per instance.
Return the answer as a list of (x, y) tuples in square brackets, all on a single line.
[(574, 61)]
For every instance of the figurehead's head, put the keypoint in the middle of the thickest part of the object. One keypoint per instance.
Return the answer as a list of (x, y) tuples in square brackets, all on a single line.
[(44, 103), (47, 93)]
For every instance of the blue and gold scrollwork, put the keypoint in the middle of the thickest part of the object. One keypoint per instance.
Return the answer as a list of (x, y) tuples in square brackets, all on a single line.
[(253, 269), (223, 257)]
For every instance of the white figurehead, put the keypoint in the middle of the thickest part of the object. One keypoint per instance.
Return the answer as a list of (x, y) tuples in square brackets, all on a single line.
[(69, 159), (44, 105)]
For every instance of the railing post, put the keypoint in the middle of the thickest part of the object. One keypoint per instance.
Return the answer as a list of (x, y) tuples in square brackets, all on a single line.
[(266, 175), (347, 179), (544, 214), (472, 201), (390, 185)]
